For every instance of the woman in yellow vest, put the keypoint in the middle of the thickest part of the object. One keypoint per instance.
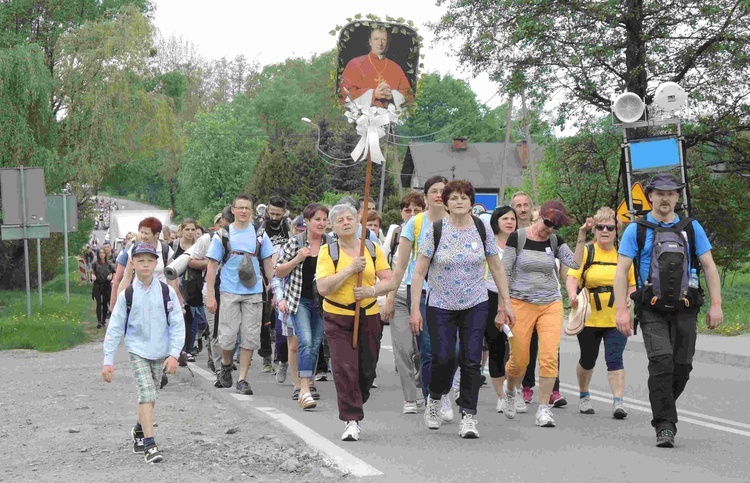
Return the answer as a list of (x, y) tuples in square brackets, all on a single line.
[(597, 274)]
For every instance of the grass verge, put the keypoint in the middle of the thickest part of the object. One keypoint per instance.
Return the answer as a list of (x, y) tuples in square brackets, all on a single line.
[(735, 301), (56, 325)]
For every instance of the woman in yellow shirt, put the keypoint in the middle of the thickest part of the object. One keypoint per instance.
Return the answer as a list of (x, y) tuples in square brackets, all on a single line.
[(336, 273), (598, 275)]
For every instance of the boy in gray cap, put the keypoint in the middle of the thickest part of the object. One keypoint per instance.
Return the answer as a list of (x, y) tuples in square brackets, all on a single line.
[(668, 254)]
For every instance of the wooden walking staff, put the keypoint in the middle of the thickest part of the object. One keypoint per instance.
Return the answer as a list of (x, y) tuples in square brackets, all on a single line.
[(365, 210)]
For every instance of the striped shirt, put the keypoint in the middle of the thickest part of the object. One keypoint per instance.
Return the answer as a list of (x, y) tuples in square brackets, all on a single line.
[(533, 274)]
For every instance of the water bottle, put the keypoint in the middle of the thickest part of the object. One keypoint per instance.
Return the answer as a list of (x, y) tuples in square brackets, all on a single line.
[(694, 280)]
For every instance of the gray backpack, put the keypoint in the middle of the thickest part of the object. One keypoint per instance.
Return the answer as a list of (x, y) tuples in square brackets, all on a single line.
[(669, 273)]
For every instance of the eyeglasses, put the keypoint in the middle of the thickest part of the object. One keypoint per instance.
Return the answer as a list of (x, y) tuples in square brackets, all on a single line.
[(606, 227), (549, 224), (242, 208)]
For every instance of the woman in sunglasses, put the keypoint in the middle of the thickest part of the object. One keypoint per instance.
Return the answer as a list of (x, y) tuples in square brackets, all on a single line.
[(598, 275), (529, 259)]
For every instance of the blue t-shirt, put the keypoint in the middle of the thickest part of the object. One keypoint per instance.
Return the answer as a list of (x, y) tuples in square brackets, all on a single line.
[(408, 232), (240, 241), (629, 243)]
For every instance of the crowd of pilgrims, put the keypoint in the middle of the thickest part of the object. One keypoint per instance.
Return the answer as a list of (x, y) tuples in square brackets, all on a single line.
[(484, 296)]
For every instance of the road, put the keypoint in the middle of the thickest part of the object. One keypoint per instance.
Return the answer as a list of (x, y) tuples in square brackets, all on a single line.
[(711, 442), (124, 204)]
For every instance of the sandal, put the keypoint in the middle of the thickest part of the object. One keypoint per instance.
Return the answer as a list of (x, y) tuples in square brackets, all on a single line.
[(295, 394), (306, 401)]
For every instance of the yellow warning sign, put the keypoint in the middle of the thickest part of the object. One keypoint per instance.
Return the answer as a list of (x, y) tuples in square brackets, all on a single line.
[(640, 203)]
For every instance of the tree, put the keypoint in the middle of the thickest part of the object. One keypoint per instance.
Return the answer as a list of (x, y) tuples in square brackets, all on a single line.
[(590, 50), (220, 154)]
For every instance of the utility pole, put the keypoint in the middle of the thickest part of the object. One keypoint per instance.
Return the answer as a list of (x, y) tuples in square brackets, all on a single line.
[(527, 131), (508, 122)]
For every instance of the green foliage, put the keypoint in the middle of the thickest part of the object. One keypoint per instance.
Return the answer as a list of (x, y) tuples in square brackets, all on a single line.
[(220, 155), (330, 198), (735, 303)]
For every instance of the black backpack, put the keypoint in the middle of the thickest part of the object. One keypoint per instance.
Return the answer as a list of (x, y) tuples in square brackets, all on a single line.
[(672, 255), (129, 303), (590, 253)]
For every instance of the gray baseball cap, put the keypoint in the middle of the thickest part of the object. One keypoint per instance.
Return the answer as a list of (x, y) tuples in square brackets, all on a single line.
[(665, 182)]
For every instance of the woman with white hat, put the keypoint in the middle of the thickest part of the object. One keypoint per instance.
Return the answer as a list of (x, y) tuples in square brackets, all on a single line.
[(597, 274)]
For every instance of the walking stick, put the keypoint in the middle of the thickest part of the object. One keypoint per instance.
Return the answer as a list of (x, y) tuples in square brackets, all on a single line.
[(365, 234)]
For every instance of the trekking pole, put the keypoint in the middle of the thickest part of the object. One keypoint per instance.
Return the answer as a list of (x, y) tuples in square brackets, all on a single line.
[(365, 234)]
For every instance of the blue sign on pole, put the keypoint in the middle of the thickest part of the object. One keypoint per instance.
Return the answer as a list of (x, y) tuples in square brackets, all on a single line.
[(485, 203)]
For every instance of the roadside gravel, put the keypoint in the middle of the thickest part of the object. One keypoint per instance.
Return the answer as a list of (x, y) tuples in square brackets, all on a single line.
[(61, 422)]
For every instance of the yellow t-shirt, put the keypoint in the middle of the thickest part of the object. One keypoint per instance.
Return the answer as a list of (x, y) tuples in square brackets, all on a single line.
[(601, 276), (345, 294)]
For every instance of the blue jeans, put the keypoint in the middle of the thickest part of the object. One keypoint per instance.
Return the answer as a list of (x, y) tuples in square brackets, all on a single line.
[(468, 325), (308, 324), (199, 321), (423, 342)]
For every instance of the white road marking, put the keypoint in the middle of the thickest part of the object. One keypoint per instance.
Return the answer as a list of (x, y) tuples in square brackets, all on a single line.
[(242, 397), (202, 372), (344, 460), (387, 347), (645, 407)]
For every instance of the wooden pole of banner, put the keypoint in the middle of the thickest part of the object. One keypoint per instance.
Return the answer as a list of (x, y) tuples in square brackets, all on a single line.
[(365, 234)]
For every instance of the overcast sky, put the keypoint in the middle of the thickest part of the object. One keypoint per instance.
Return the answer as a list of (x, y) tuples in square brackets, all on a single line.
[(272, 31)]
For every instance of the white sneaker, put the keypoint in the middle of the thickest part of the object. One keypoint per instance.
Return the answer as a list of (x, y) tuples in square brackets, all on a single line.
[(585, 406), (351, 432), (446, 409), (432, 413), (509, 408), (410, 407), (420, 402), (468, 428), (519, 403), (500, 405), (544, 418), (456, 394)]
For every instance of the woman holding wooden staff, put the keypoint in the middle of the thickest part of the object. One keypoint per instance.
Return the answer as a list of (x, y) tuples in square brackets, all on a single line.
[(339, 264)]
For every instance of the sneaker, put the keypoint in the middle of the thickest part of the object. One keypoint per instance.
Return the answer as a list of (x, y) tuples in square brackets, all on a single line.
[(544, 418), (509, 408), (374, 385), (244, 388), (322, 376), (295, 394), (137, 440), (420, 402), (226, 376), (410, 407), (281, 372), (217, 382), (153, 455), (665, 439), (557, 400), (234, 366), (446, 409), (528, 394), (432, 413), (351, 432), (618, 410), (267, 366), (500, 407), (520, 403), (468, 428), (484, 380), (456, 394), (190, 357), (584, 405), (314, 392)]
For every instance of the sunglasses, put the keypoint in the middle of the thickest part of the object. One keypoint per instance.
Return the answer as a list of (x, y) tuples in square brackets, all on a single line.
[(606, 227), (549, 224)]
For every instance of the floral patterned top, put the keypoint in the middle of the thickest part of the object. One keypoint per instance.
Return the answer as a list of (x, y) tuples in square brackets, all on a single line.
[(457, 269)]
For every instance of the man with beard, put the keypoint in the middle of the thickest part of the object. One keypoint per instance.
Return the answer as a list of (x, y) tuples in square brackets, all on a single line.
[(276, 225)]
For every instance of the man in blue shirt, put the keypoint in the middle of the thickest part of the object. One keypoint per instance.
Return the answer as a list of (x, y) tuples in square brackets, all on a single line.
[(154, 339), (669, 336), (241, 289)]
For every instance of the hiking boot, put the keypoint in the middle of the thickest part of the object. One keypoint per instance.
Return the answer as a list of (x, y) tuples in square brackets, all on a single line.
[(509, 408), (432, 413), (446, 409), (528, 394), (225, 376), (244, 388), (314, 392), (618, 410), (137, 440), (665, 439), (557, 400), (267, 366), (544, 418), (584, 405), (153, 455), (410, 407), (295, 394), (281, 372), (351, 431), (321, 376), (468, 428)]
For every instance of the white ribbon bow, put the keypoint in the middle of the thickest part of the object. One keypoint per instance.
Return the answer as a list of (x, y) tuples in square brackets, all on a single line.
[(371, 122)]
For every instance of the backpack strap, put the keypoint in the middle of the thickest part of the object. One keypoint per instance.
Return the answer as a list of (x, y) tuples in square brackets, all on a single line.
[(395, 239), (165, 252), (418, 222), (590, 251), (553, 243), (479, 224), (129, 303), (437, 233), (333, 250)]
